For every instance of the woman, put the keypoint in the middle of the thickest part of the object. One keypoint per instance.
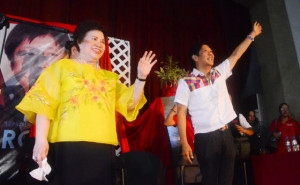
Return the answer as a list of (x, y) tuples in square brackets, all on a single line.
[(284, 127), (73, 104)]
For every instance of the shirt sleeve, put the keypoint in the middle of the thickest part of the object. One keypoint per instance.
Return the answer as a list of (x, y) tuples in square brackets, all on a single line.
[(224, 68), (125, 99), (244, 123), (43, 97), (182, 93)]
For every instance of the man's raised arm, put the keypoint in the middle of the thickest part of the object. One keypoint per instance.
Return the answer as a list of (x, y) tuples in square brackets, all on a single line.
[(240, 49)]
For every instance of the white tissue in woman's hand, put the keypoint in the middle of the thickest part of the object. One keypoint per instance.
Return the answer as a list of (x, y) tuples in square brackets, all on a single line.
[(40, 173)]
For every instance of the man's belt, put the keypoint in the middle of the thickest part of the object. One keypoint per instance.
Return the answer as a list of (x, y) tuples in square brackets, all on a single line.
[(224, 128)]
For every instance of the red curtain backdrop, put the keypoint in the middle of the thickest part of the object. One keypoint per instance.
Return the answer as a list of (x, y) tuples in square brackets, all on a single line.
[(147, 133), (167, 27)]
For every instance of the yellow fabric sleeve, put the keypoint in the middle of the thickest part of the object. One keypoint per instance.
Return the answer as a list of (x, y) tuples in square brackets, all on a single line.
[(125, 99), (43, 97)]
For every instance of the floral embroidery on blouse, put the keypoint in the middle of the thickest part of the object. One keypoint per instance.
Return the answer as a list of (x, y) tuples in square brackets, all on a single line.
[(37, 95), (74, 101), (87, 91)]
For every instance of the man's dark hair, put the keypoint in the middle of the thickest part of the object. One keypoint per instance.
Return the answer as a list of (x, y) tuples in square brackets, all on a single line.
[(22, 32), (81, 31), (282, 104), (195, 51)]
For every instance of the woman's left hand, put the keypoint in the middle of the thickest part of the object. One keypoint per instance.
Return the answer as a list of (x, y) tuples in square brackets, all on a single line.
[(145, 64)]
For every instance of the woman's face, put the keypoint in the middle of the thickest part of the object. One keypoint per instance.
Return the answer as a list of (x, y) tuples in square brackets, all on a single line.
[(93, 46), (251, 117)]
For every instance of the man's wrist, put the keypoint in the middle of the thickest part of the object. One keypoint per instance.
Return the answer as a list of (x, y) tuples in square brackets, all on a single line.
[(250, 37), (252, 34)]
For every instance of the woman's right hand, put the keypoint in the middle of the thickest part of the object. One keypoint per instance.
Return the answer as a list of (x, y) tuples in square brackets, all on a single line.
[(40, 150), (41, 145)]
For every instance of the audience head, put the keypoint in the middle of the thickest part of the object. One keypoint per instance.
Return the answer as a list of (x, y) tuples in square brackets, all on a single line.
[(284, 110), (251, 117)]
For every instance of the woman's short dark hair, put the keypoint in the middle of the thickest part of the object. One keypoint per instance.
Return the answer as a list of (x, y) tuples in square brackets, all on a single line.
[(195, 51), (282, 104), (81, 31), (22, 32), (251, 110)]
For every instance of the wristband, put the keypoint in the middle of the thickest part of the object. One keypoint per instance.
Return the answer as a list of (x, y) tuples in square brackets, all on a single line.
[(251, 38), (173, 110), (140, 79)]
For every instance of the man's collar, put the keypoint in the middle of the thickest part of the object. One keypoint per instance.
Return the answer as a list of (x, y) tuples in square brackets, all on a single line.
[(196, 72)]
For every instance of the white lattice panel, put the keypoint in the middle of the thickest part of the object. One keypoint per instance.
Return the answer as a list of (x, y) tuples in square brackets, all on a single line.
[(119, 51)]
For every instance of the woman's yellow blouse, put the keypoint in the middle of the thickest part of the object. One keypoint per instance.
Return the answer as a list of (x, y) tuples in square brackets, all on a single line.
[(80, 102)]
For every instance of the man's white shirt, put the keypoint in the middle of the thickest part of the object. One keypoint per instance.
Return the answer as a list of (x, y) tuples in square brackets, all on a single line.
[(208, 104)]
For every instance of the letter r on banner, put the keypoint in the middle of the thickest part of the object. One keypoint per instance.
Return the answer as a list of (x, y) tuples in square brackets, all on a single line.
[(8, 137)]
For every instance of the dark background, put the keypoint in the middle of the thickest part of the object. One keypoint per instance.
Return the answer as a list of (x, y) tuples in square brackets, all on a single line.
[(168, 27)]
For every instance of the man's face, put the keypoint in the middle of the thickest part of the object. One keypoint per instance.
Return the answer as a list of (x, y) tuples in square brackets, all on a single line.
[(205, 56), (284, 111), (31, 58), (251, 117)]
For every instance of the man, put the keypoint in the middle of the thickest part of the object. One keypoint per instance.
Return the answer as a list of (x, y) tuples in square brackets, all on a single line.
[(29, 49), (205, 94), (284, 128)]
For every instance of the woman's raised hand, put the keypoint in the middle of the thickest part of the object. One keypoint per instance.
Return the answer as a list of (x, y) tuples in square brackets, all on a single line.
[(145, 64)]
